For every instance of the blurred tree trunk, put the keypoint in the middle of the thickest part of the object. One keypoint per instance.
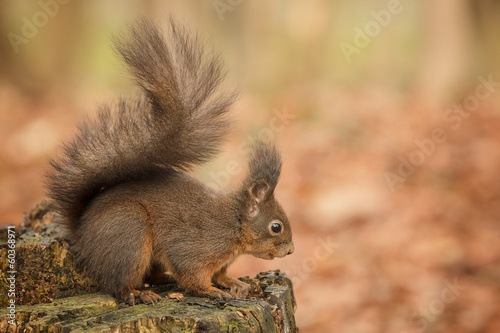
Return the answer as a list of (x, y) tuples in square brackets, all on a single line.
[(447, 51), (461, 42), (488, 17)]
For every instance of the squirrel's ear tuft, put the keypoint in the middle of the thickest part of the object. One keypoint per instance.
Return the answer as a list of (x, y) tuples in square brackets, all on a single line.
[(265, 164), (265, 168)]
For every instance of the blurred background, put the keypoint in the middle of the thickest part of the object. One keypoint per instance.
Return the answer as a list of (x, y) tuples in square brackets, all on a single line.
[(387, 114)]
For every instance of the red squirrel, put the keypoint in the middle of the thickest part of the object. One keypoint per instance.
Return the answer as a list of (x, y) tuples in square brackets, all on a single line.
[(123, 190)]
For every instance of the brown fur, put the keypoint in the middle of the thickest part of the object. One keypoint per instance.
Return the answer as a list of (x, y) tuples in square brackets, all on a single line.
[(130, 207)]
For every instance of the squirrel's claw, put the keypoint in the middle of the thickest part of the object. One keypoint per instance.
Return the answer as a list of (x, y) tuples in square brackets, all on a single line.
[(130, 299), (146, 297), (237, 288), (240, 289), (149, 297), (219, 295), (223, 297)]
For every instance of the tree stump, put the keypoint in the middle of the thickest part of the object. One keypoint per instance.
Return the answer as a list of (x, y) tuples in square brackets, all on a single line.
[(43, 291)]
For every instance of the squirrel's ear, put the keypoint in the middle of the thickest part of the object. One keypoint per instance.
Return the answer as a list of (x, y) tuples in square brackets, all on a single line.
[(258, 192)]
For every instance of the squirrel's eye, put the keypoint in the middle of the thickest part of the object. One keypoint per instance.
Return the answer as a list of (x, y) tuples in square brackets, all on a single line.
[(275, 227)]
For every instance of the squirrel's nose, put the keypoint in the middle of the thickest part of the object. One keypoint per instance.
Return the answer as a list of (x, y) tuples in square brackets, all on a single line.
[(291, 249)]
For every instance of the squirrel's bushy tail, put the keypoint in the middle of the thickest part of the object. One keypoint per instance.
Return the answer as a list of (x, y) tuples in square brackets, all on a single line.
[(180, 122)]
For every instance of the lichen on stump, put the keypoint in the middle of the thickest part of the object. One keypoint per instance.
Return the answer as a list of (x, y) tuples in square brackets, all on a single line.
[(45, 266), (52, 295)]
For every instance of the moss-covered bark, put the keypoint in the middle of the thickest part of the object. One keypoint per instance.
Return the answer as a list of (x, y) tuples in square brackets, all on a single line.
[(44, 264)]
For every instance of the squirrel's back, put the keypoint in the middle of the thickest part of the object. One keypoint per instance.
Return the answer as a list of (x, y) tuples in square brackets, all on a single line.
[(178, 123)]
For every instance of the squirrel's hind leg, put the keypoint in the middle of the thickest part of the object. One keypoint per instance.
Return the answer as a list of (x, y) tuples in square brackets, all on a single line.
[(116, 245), (140, 261)]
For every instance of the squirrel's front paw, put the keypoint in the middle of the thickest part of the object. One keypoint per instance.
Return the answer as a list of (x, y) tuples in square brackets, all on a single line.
[(219, 294), (239, 289)]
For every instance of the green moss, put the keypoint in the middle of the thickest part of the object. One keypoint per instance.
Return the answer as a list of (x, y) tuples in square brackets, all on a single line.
[(99, 312)]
